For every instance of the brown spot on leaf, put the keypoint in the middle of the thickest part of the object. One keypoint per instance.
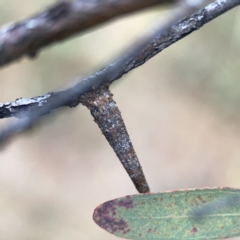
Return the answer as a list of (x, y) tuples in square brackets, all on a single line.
[(194, 230), (201, 199), (104, 216), (128, 230), (127, 203)]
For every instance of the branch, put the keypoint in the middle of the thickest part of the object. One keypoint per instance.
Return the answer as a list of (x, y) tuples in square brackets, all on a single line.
[(61, 21), (146, 49)]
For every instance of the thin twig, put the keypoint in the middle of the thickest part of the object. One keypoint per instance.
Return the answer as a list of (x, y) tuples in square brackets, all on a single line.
[(139, 55), (61, 21)]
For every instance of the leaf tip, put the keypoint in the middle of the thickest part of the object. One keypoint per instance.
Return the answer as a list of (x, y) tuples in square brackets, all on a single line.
[(105, 217)]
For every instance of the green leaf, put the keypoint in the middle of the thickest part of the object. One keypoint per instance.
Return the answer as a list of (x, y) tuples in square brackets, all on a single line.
[(186, 214)]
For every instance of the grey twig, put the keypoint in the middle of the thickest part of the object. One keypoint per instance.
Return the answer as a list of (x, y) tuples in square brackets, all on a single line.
[(61, 21), (138, 55)]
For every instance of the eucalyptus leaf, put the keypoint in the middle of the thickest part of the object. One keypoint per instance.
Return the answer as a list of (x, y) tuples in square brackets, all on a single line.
[(184, 214)]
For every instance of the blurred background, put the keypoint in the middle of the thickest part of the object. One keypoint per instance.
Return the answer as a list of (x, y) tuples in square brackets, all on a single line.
[(181, 110)]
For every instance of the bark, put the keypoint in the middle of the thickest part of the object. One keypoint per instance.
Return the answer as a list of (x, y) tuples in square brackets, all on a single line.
[(32, 108), (61, 21), (137, 56)]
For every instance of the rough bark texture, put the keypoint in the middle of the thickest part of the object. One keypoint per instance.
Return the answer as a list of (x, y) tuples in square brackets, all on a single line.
[(61, 21), (125, 64), (22, 106), (108, 117), (37, 106)]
